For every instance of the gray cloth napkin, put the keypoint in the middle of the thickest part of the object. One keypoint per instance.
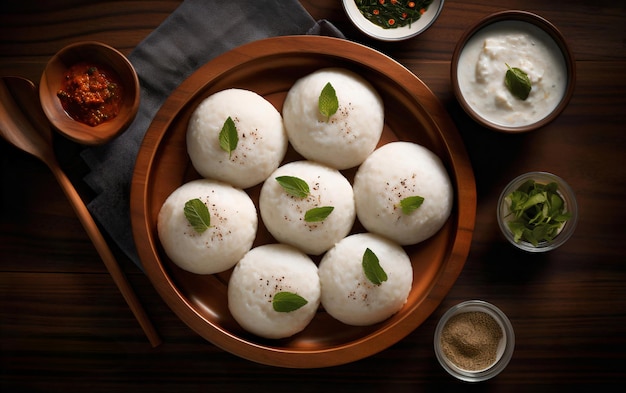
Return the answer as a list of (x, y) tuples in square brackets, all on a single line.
[(196, 32)]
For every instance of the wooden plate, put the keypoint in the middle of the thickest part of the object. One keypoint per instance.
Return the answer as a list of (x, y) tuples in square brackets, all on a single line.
[(270, 67)]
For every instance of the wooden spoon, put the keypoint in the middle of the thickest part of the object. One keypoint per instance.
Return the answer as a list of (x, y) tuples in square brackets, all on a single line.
[(23, 124)]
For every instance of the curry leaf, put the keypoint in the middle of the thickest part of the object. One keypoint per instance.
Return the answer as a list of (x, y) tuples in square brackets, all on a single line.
[(538, 212)]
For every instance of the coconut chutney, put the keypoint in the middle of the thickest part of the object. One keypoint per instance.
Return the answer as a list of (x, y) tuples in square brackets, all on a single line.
[(482, 67)]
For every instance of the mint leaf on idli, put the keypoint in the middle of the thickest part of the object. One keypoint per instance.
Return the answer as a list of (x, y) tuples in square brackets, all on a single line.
[(294, 186), (198, 215), (328, 103), (318, 214), (287, 302), (228, 136), (372, 269), (411, 203)]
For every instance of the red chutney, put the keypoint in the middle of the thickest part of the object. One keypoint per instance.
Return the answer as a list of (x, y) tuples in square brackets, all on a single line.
[(90, 93)]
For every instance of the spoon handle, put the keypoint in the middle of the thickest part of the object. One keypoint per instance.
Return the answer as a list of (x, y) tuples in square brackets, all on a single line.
[(105, 253)]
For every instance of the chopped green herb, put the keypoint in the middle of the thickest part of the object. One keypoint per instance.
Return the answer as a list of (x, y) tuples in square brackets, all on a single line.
[(538, 212), (327, 102), (287, 302), (392, 14), (294, 186), (410, 204), (318, 214), (228, 136), (518, 82), (198, 215), (372, 269)]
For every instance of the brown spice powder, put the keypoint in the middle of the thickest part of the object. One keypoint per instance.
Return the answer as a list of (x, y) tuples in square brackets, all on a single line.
[(470, 340)]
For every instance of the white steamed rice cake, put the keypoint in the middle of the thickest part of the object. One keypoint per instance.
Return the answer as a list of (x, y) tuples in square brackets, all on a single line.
[(348, 295), (392, 173), (256, 280), (284, 214), (232, 230), (261, 138), (346, 138)]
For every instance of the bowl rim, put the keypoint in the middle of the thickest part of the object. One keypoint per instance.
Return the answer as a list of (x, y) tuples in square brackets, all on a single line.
[(73, 129), (543, 24), (566, 192), (374, 31), (504, 356)]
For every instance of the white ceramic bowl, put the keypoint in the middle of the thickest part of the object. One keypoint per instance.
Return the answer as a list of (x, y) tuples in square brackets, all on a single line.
[(504, 350), (393, 34)]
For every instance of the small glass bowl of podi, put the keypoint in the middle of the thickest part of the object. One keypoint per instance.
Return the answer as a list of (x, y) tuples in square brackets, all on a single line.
[(474, 341)]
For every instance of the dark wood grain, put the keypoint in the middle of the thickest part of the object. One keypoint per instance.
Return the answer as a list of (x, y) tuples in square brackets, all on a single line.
[(64, 327)]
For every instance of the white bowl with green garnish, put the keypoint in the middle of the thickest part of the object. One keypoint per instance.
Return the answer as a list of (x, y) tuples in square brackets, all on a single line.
[(393, 20), (513, 72), (537, 212)]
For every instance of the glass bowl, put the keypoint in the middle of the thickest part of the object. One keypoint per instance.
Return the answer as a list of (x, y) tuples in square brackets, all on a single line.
[(474, 341), (570, 205)]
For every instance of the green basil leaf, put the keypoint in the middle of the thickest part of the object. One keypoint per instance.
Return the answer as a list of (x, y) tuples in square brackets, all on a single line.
[(287, 302), (327, 102), (410, 204), (372, 269), (228, 136), (518, 82), (198, 215), (294, 186), (318, 214)]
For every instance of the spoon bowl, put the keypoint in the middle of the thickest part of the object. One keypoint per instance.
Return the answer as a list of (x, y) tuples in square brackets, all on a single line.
[(115, 65)]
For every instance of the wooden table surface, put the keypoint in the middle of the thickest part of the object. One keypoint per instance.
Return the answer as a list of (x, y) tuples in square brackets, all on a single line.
[(65, 327)]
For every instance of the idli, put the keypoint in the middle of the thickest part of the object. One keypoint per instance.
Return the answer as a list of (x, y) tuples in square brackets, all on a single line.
[(390, 185), (260, 279), (302, 220), (345, 138), (236, 136), (227, 228), (348, 295)]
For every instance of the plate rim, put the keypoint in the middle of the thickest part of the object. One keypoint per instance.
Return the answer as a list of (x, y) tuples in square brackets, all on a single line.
[(273, 355)]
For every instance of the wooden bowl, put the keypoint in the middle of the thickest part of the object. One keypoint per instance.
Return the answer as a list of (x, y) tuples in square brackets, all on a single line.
[(101, 55), (463, 74), (270, 67)]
